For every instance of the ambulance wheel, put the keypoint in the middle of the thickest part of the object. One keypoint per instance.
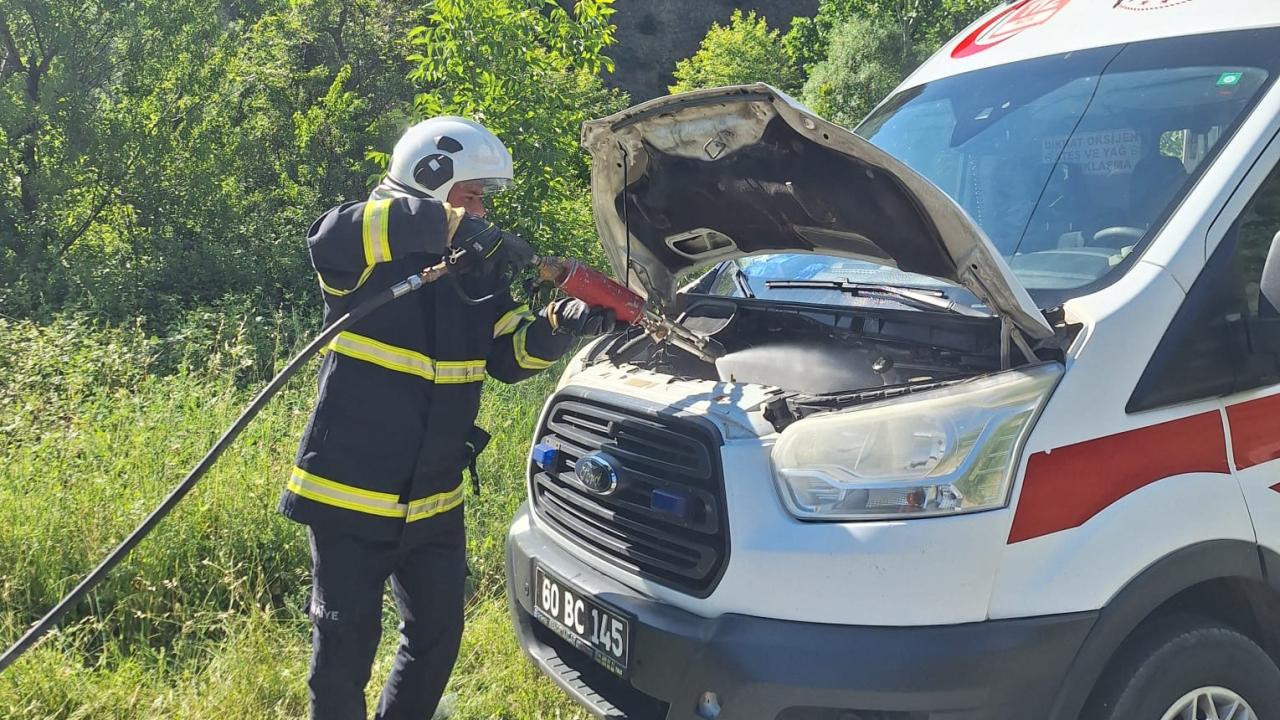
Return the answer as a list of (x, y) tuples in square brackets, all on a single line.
[(1188, 668)]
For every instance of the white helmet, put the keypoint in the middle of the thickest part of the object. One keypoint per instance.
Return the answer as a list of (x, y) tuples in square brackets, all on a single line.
[(434, 155)]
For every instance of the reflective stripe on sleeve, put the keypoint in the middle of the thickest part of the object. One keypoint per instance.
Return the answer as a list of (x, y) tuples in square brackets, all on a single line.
[(523, 358), (511, 320), (339, 293), (377, 216), (435, 504), (408, 361), (348, 497)]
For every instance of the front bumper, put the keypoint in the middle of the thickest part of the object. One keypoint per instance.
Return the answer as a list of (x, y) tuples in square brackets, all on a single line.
[(765, 669)]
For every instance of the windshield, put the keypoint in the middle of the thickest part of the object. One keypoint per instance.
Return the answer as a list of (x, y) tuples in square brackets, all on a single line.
[(1068, 163), (760, 272)]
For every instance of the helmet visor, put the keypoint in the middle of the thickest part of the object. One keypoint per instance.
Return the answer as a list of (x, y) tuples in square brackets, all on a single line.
[(487, 186)]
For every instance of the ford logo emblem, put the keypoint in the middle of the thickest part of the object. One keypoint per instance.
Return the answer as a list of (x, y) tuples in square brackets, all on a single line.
[(596, 473)]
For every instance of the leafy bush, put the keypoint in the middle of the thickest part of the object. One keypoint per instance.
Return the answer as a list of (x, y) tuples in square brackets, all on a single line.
[(528, 70), (184, 147), (924, 23), (866, 62), (745, 51), (169, 154)]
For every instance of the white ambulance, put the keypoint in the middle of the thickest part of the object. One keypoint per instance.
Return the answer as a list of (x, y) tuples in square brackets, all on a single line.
[(992, 425)]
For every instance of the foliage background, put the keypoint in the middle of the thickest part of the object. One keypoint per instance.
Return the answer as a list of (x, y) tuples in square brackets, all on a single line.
[(744, 51), (162, 155), (160, 164)]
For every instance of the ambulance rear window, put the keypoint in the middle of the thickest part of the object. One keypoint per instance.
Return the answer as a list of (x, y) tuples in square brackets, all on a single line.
[(1071, 163)]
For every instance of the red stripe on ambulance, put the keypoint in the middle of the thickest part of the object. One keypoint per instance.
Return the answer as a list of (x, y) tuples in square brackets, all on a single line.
[(1148, 4), (1067, 486), (1255, 431), (1014, 21)]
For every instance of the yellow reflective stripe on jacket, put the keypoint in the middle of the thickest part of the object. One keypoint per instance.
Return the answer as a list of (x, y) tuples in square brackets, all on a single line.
[(510, 321), (523, 358), (434, 504), (387, 356), (453, 372), (349, 497), (408, 361), (339, 293), (377, 216)]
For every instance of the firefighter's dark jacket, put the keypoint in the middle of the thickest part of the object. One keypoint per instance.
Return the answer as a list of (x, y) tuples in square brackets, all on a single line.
[(386, 444)]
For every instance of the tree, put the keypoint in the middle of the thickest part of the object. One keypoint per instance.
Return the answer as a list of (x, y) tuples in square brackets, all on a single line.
[(927, 23), (529, 70), (867, 60), (278, 128), (161, 155), (165, 154), (62, 150), (745, 51)]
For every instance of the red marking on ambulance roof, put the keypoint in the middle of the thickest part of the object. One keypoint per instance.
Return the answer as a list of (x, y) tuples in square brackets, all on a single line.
[(1066, 487), (1013, 21), (1255, 431), (1276, 487), (1148, 4)]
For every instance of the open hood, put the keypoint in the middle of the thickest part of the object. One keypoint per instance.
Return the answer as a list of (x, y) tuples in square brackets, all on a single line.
[(721, 173)]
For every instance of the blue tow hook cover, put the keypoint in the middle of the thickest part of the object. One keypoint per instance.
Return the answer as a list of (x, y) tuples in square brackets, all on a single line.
[(669, 502), (544, 456)]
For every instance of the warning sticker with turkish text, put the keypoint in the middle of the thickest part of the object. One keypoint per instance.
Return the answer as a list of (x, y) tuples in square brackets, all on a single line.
[(1104, 152)]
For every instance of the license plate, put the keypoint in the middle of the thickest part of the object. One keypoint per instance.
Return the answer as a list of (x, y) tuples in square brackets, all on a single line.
[(605, 635)]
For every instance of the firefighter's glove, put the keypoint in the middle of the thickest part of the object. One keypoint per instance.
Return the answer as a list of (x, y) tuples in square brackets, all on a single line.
[(482, 248), (475, 243), (514, 254), (574, 317)]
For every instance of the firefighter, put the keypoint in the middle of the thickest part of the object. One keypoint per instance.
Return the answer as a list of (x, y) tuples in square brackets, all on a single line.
[(378, 477)]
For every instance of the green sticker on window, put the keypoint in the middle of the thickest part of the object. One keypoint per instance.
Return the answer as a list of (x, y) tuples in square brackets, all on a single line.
[(1229, 78)]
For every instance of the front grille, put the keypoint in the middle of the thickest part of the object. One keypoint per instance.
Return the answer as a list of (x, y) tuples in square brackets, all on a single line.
[(684, 547)]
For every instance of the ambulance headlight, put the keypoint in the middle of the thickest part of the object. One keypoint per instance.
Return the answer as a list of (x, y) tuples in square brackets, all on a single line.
[(942, 452)]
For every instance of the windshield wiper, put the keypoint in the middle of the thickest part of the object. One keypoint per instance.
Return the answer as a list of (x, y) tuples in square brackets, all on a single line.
[(919, 297), (744, 282)]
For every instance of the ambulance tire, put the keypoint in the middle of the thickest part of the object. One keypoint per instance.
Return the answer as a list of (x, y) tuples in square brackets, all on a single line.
[(1173, 656)]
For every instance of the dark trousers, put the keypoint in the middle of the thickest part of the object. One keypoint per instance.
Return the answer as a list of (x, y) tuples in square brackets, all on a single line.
[(348, 577)]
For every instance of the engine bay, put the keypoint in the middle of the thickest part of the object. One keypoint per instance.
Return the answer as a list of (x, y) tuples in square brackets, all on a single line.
[(818, 353)]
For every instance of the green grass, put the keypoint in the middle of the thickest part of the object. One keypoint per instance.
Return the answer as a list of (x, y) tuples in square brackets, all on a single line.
[(204, 619)]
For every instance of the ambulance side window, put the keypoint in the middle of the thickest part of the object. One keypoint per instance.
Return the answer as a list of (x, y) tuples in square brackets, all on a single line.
[(1258, 253), (1226, 336), (1258, 227)]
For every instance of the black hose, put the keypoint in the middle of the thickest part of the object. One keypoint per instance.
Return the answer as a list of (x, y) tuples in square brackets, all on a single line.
[(628, 346), (462, 294), (110, 561)]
